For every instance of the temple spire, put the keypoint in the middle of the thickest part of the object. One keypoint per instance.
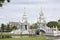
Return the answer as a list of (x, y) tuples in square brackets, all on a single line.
[(24, 18), (42, 18)]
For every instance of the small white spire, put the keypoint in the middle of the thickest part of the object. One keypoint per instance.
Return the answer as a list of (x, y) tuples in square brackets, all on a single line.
[(56, 28), (53, 26)]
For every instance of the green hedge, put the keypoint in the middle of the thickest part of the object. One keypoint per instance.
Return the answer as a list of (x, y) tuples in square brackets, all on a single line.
[(17, 34), (27, 38), (9, 35)]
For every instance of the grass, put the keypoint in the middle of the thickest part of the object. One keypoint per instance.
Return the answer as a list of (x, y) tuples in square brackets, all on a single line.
[(15, 34), (26, 38)]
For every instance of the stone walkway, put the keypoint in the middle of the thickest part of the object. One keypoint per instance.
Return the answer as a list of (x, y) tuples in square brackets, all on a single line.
[(56, 39)]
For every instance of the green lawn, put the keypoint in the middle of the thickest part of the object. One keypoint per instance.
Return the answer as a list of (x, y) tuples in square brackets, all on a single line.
[(26, 38)]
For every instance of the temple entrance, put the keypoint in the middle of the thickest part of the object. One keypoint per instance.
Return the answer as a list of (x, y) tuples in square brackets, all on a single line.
[(26, 27), (37, 32), (40, 32)]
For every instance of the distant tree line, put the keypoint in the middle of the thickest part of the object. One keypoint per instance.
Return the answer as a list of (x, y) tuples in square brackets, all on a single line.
[(54, 23), (7, 28)]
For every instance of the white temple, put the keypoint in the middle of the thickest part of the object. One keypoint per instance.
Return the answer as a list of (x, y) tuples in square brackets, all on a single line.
[(24, 27)]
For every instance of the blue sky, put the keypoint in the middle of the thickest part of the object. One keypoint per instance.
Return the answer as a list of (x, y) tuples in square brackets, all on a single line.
[(14, 10)]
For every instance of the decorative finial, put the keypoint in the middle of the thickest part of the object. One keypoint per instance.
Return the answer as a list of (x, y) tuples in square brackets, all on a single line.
[(41, 12), (24, 10)]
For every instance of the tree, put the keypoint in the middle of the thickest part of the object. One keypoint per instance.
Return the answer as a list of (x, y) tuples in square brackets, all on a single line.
[(2, 27), (59, 22), (2, 1), (34, 26), (14, 28), (52, 23), (8, 28)]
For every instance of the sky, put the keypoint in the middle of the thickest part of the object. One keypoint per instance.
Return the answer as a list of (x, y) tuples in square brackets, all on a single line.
[(14, 10)]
